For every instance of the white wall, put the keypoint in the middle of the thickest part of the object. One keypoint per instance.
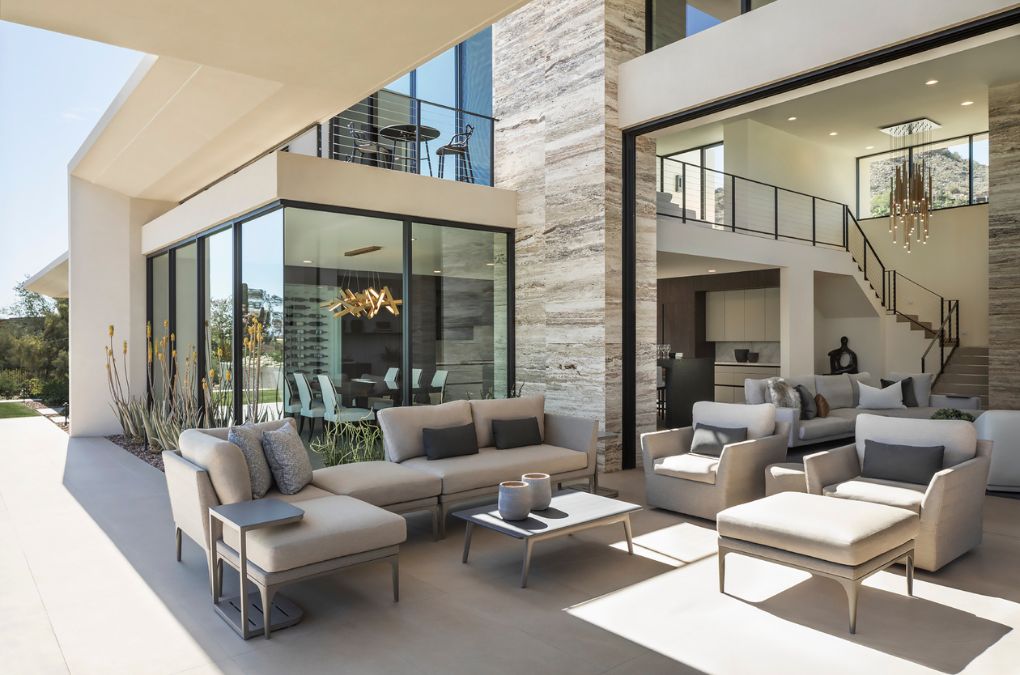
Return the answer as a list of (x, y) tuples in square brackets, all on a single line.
[(954, 264), (865, 337), (766, 50), (106, 275)]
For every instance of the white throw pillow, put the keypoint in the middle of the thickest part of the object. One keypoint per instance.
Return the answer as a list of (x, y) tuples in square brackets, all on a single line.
[(873, 398)]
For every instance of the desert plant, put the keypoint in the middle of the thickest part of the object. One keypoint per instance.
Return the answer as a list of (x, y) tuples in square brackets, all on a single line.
[(349, 442), (173, 394), (952, 414), (218, 387), (130, 409), (253, 360)]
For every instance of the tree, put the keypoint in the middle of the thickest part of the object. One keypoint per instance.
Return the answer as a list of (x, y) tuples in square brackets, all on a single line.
[(29, 303), (33, 348)]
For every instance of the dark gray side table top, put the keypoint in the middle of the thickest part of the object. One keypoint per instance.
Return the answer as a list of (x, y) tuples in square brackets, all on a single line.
[(567, 509), (258, 513)]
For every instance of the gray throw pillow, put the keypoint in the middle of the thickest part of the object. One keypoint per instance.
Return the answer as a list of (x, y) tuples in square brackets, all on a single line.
[(781, 393), (909, 396), (901, 463), (808, 409), (292, 469), (249, 439), (709, 440)]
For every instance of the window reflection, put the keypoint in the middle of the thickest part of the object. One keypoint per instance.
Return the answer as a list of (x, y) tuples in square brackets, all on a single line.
[(160, 299), (219, 319), (186, 315), (262, 317)]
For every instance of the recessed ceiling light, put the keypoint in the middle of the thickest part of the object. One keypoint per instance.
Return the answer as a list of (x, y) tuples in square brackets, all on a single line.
[(834, 133), (437, 271), (792, 118), (711, 271), (490, 264), (967, 103), (931, 82), (869, 147), (307, 262)]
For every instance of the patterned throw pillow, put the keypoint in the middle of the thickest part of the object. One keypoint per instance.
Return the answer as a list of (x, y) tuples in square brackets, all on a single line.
[(292, 469), (249, 439), (781, 394)]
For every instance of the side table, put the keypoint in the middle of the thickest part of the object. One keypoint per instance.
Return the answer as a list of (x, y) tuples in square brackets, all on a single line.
[(245, 613)]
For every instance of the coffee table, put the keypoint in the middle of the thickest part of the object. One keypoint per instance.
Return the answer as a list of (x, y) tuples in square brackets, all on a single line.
[(570, 511)]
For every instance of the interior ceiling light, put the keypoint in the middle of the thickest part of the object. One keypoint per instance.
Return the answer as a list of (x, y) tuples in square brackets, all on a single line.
[(931, 82), (967, 103), (910, 186), (834, 133), (363, 250), (368, 302), (792, 118), (869, 147), (437, 271), (711, 271), (307, 262)]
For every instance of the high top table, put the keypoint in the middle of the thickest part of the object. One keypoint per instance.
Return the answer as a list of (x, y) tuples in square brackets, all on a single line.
[(570, 511)]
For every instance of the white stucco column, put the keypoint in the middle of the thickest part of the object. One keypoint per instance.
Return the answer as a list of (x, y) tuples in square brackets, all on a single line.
[(106, 280), (797, 321)]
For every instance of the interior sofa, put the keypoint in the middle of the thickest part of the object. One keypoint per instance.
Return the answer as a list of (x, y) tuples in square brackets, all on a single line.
[(337, 531), (702, 485), (842, 394), (949, 505), (567, 451)]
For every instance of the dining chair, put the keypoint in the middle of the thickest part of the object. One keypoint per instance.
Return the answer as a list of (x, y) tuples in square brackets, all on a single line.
[(364, 145), (334, 409), (438, 387), (291, 403), (310, 408), (459, 148)]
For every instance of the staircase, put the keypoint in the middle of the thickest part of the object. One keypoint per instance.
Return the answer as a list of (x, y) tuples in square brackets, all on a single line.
[(965, 373)]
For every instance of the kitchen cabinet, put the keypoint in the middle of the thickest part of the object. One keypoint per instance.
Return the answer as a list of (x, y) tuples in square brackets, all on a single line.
[(715, 316), (771, 315), (754, 315), (734, 305), (750, 315)]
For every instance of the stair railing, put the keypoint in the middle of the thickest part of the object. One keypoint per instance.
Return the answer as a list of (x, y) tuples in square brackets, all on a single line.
[(944, 337)]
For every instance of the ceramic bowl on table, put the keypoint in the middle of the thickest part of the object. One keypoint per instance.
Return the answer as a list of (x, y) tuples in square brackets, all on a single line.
[(514, 500)]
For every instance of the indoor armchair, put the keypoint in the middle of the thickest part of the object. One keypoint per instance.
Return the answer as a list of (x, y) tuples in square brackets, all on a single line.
[(701, 485)]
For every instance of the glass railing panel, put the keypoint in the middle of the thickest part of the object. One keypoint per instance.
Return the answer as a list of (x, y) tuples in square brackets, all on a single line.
[(829, 222)]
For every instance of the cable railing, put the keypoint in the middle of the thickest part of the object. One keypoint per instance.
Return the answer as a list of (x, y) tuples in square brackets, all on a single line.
[(725, 201), (398, 132)]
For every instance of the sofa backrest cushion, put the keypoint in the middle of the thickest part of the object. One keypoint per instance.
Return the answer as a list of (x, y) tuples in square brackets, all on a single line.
[(855, 379), (922, 385), (223, 460), (402, 426), (836, 389), (805, 380), (754, 391), (484, 411), (759, 419), (958, 437)]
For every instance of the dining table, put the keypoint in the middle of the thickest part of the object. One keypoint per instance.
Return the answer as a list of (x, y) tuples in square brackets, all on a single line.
[(408, 134)]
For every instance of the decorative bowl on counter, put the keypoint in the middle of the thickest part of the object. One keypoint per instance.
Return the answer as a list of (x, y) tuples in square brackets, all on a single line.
[(741, 355), (752, 357)]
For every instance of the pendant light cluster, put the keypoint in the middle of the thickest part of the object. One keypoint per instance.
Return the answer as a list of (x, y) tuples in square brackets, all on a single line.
[(910, 189), (367, 302)]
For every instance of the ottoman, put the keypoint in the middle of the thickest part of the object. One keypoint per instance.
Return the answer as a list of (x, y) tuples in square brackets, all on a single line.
[(785, 477), (840, 539)]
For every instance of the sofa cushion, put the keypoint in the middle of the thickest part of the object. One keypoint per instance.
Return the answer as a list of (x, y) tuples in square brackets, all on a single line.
[(855, 380), (957, 436), (907, 385), (907, 413), (873, 398), (689, 466), (307, 492), (760, 420), (922, 385), (490, 466), (709, 440), (249, 439), (781, 394), (223, 460), (380, 483), (754, 391), (824, 427), (509, 434), (878, 491), (288, 459), (901, 463), (450, 441), (822, 406), (486, 410), (808, 407), (835, 530), (836, 389), (402, 426), (332, 527), (807, 381)]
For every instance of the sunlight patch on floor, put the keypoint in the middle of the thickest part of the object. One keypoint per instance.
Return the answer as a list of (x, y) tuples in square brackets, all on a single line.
[(675, 545)]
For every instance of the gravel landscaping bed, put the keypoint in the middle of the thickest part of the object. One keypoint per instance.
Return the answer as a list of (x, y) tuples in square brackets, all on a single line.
[(139, 450)]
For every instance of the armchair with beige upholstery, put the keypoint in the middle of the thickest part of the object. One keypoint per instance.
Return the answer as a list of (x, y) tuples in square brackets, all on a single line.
[(702, 485), (949, 505)]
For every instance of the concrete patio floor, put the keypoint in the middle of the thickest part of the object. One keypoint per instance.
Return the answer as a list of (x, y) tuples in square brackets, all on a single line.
[(89, 584)]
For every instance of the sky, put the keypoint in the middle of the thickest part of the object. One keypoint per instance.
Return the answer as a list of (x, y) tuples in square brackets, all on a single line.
[(53, 90)]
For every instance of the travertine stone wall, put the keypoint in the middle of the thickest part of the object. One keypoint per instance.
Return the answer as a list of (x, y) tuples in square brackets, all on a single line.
[(1004, 246), (558, 144)]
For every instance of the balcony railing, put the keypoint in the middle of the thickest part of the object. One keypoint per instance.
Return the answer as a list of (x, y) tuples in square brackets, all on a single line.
[(402, 133)]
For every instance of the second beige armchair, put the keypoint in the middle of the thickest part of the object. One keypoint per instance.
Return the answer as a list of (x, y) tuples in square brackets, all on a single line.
[(702, 485)]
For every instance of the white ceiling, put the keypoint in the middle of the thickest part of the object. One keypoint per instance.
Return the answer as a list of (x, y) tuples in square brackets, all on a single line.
[(856, 110), (236, 77), (671, 265)]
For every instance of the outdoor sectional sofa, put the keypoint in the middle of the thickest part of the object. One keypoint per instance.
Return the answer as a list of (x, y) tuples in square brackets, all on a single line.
[(841, 392)]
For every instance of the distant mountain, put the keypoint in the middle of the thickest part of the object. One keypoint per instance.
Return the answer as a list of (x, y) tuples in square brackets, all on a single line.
[(949, 181)]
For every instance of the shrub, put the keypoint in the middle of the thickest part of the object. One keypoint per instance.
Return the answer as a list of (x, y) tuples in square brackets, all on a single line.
[(54, 392), (952, 414), (18, 384), (349, 442)]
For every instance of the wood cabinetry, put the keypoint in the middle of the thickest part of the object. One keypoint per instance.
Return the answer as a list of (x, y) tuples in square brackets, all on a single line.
[(771, 315), (729, 380), (750, 315), (734, 308), (754, 315), (715, 316)]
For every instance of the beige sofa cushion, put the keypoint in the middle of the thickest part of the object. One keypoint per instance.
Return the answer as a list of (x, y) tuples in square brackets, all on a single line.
[(824, 427), (689, 466), (759, 420), (224, 461), (332, 527), (842, 531), (878, 491), (484, 411), (402, 425), (306, 493), (958, 437), (836, 389), (379, 483), (490, 466)]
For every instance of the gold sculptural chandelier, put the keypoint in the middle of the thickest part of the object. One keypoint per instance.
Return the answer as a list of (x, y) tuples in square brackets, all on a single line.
[(910, 189), (367, 302)]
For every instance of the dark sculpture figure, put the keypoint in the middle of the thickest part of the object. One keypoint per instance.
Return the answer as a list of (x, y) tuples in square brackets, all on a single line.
[(843, 359)]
